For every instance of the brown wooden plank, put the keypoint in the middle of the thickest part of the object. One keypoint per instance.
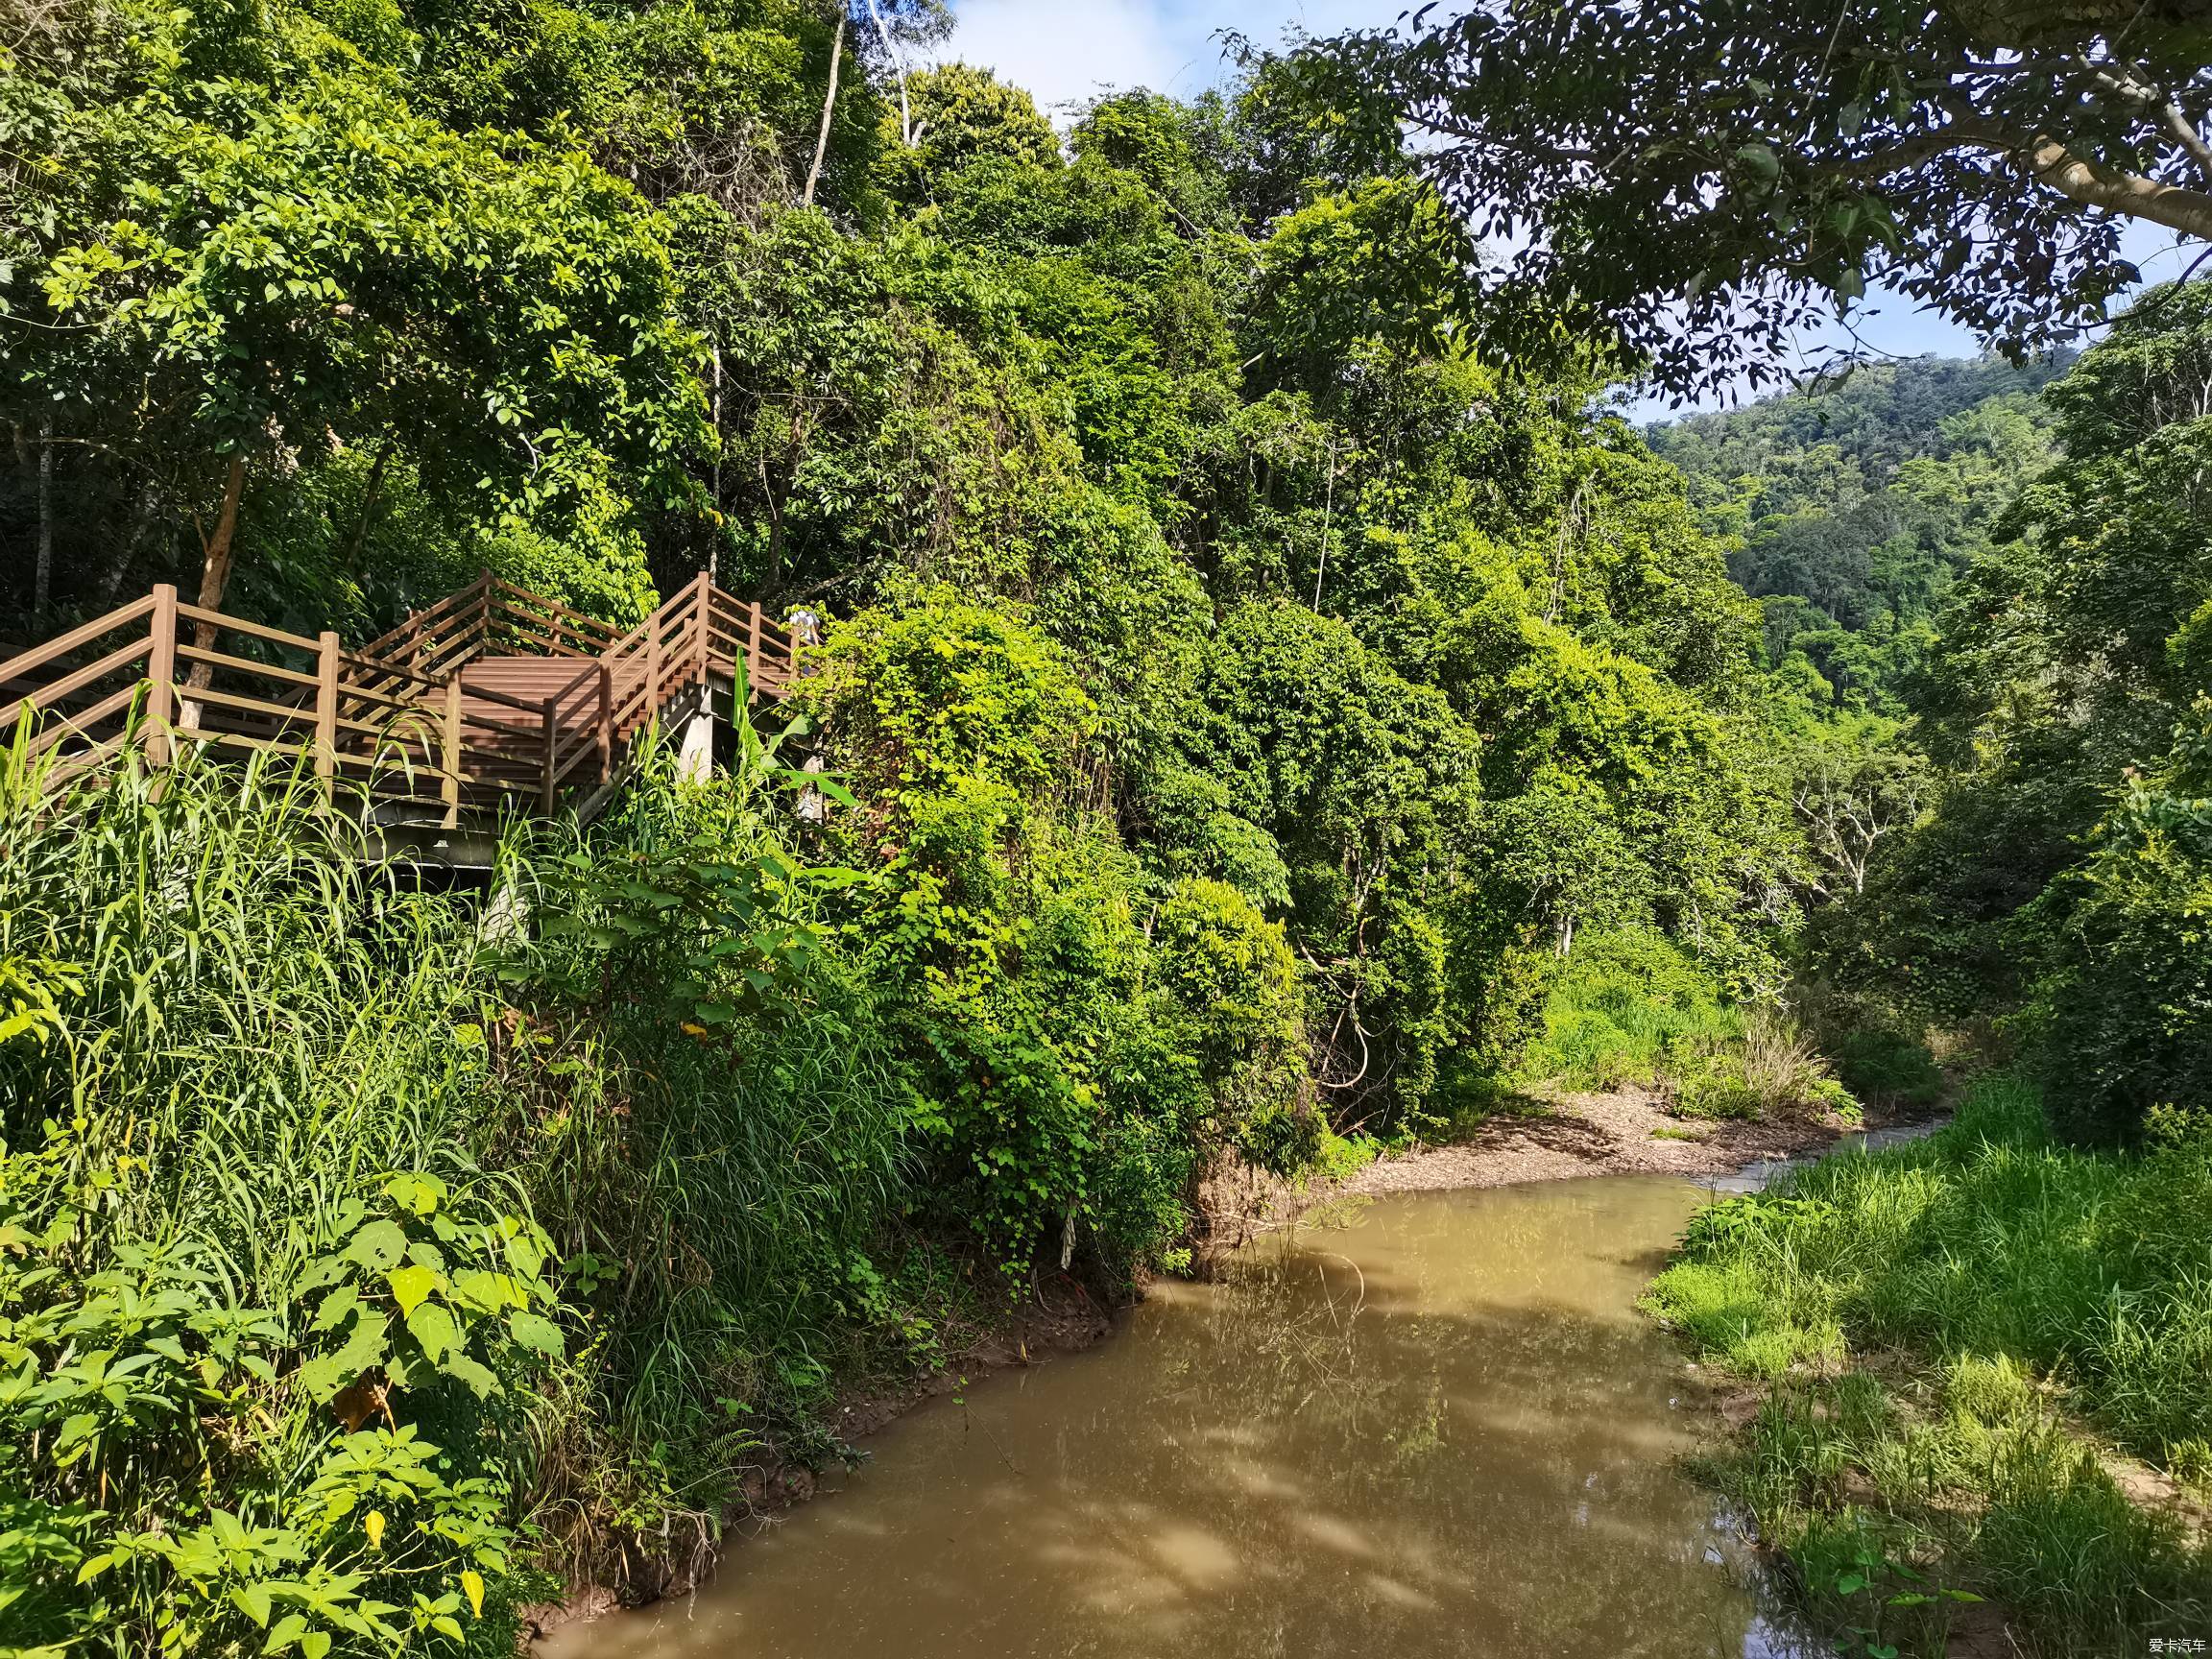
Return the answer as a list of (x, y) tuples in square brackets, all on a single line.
[(162, 675), (21, 667), (284, 713), (79, 724), (382, 699), (49, 696), (238, 625), (245, 666)]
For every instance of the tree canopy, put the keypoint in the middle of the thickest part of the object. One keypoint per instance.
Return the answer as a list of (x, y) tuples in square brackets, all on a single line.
[(1698, 182)]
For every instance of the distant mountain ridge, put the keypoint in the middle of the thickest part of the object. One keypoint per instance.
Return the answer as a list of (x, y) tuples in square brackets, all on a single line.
[(1853, 509)]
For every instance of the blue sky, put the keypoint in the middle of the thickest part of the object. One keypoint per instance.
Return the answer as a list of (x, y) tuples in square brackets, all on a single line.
[(1063, 52)]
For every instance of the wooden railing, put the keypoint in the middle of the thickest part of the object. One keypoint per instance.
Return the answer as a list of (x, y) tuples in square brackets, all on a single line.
[(403, 719), (700, 634), (489, 617)]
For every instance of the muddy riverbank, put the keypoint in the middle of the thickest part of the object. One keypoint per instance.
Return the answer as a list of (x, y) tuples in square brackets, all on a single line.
[(1627, 1131)]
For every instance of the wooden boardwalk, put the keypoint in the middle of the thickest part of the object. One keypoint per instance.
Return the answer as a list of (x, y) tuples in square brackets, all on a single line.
[(494, 700)]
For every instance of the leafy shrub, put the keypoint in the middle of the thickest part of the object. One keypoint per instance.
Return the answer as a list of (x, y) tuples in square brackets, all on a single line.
[(1713, 1084), (1621, 1008), (1890, 1067), (1072, 1064)]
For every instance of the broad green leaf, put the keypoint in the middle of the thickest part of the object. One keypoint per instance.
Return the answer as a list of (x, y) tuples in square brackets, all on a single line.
[(535, 1330), (378, 1245), (410, 1285), (253, 1600), (432, 1325), (477, 1377)]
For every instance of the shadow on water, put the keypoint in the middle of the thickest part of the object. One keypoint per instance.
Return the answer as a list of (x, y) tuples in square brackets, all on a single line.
[(1439, 1429)]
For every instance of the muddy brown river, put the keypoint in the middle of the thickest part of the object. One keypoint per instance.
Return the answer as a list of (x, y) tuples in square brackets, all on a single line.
[(1437, 1429)]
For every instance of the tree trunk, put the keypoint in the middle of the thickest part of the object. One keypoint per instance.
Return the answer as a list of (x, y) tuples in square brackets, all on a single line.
[(828, 102), (898, 60), (368, 510), (43, 578), (214, 579), (715, 546), (119, 566)]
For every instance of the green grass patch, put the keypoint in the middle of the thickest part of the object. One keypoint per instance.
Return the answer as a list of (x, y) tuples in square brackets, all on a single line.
[(1621, 1008), (1634, 1007), (1946, 1329)]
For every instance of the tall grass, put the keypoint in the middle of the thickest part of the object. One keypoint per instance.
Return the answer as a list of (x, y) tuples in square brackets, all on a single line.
[(2007, 1293), (1634, 1007), (729, 1197), (247, 1025), (225, 1029)]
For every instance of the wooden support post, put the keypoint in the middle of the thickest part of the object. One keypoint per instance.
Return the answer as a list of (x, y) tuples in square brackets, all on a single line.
[(606, 720), (449, 786), (651, 708), (753, 650), (545, 781), (326, 704), (161, 676)]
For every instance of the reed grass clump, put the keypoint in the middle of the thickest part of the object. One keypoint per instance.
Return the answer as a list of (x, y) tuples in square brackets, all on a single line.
[(363, 1252), (1947, 1334)]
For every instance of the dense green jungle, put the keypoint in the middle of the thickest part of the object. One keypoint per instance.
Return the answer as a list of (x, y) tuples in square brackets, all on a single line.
[(1268, 718)]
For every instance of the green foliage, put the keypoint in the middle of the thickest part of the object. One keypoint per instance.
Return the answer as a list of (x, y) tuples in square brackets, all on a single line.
[(297, 269), (1888, 1066), (2028, 1287), (2061, 714), (1620, 1007), (1856, 507), (1072, 1064), (959, 116), (1794, 173)]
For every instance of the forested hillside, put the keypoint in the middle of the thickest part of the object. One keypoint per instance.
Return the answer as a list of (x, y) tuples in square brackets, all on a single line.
[(1264, 715), (1247, 701), (1856, 507)]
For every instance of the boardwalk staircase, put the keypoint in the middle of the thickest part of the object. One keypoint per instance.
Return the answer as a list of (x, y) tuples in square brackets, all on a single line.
[(492, 702)]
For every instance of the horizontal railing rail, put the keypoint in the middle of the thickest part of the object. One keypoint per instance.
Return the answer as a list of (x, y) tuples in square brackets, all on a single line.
[(401, 718)]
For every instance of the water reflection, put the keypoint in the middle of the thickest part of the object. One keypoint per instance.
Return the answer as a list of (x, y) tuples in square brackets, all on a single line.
[(1438, 1429)]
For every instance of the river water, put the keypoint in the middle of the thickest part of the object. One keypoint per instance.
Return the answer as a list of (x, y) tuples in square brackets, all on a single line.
[(1438, 1428)]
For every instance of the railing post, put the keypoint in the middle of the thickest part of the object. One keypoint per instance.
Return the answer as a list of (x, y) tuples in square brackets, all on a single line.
[(449, 786), (652, 708), (545, 778), (606, 720), (161, 675), (704, 625), (326, 704), (753, 650)]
